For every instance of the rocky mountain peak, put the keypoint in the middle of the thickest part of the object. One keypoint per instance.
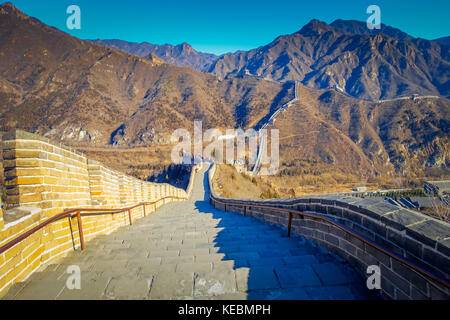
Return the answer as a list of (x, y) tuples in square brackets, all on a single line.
[(355, 27), (185, 48), (8, 8), (315, 27), (155, 59)]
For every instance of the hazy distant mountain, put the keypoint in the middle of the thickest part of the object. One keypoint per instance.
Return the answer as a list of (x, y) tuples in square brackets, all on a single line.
[(348, 57), (358, 27), (180, 55), (443, 40)]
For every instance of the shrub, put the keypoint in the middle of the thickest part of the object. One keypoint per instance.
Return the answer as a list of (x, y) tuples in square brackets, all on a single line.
[(269, 194)]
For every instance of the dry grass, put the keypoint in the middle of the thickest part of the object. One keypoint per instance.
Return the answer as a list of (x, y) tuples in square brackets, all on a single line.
[(139, 162), (231, 184), (294, 183), (439, 211)]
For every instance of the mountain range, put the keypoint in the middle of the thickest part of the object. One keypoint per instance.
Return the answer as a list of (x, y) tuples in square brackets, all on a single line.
[(90, 95), (82, 93), (326, 131), (180, 55), (345, 55)]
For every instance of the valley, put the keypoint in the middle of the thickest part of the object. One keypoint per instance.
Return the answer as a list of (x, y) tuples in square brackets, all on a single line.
[(361, 110)]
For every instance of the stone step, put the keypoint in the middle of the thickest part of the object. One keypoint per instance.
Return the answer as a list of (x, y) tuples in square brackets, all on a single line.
[(14, 290)]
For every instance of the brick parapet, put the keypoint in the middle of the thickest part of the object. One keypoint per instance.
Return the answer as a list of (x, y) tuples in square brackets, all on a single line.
[(44, 178), (418, 238)]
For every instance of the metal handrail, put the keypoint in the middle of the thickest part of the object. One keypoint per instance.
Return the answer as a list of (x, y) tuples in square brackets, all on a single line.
[(77, 212), (291, 212)]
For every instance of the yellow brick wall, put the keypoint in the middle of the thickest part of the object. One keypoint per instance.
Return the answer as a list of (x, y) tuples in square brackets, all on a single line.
[(104, 185), (1, 215), (47, 178), (153, 191), (41, 174), (126, 190)]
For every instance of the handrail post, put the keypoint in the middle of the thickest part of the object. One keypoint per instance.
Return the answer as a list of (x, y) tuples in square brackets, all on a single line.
[(129, 216), (289, 225), (245, 211), (71, 231), (80, 230), (144, 209)]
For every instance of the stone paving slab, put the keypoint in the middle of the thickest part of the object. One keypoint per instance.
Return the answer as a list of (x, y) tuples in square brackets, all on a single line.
[(92, 287), (177, 260), (119, 272), (295, 261), (139, 263), (194, 267), (266, 261), (149, 271), (334, 274), (331, 293), (47, 289), (127, 288), (226, 265), (297, 277), (168, 286), (194, 252), (215, 283), (214, 257), (14, 291), (279, 294), (256, 278)]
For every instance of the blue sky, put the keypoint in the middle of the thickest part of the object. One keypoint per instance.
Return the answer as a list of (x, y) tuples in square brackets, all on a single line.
[(230, 25)]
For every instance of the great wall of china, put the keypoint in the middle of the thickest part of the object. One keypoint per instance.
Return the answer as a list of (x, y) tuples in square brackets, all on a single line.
[(405, 245), (45, 179)]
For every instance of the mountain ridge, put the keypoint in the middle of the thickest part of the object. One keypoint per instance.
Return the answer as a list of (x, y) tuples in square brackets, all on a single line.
[(359, 27), (87, 95), (179, 55), (80, 92), (364, 66), (343, 55), (443, 40)]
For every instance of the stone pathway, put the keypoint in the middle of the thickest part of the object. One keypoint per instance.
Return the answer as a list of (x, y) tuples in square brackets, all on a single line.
[(189, 250)]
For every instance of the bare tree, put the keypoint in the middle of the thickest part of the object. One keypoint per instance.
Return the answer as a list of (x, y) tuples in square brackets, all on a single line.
[(441, 210)]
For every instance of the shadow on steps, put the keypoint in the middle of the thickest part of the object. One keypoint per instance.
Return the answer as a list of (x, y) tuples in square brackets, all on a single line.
[(270, 266)]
